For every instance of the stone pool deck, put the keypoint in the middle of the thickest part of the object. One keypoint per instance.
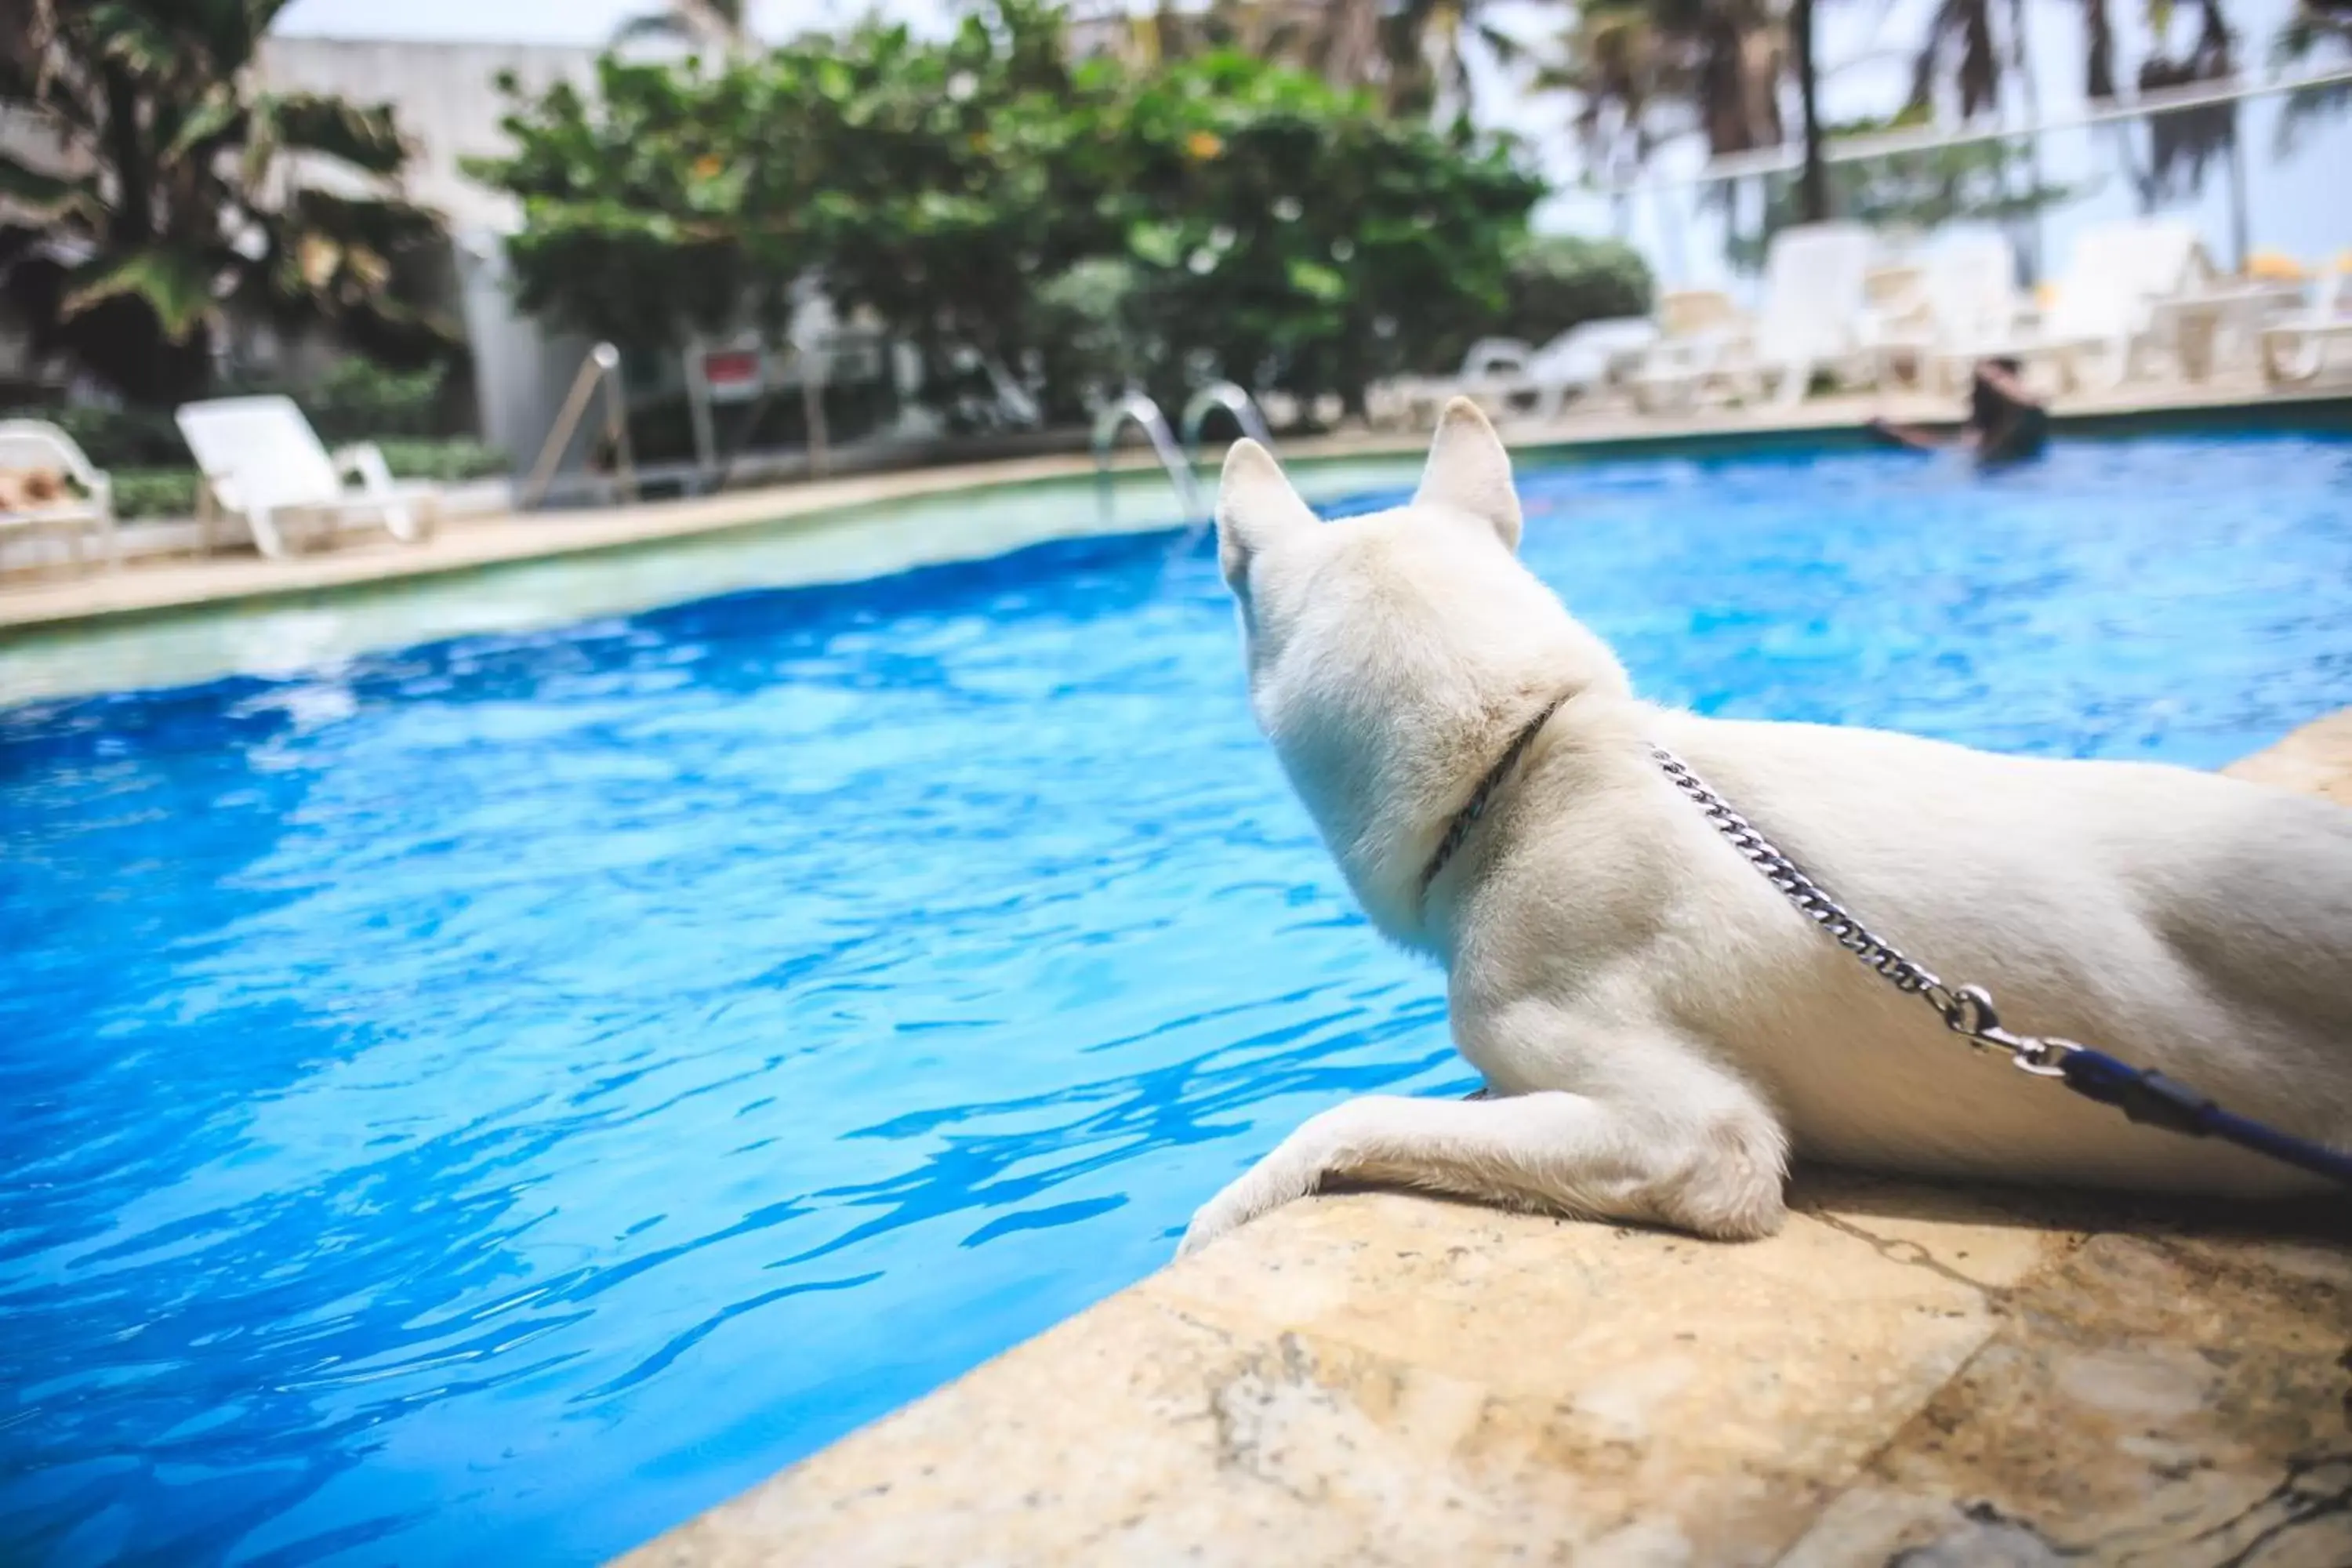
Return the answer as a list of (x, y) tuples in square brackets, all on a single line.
[(52, 600), (1905, 1376)]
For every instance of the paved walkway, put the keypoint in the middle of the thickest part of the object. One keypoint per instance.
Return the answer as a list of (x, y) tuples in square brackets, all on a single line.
[(1933, 1378)]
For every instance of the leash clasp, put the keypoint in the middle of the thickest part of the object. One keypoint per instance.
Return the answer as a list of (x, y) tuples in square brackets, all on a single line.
[(1968, 1012)]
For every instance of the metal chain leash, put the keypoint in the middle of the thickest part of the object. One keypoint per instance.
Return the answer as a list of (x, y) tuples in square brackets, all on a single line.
[(1966, 1010)]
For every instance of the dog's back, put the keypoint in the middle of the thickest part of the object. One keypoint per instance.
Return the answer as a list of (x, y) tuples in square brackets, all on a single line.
[(2196, 923)]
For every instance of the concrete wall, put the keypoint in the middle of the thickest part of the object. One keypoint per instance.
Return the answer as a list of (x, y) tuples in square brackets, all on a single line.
[(449, 106), (445, 96)]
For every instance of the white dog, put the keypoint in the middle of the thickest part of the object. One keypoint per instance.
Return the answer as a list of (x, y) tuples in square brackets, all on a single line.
[(1659, 1028)]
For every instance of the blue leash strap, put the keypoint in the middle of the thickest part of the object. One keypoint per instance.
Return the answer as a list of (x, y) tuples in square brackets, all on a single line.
[(2149, 1096), (2143, 1095)]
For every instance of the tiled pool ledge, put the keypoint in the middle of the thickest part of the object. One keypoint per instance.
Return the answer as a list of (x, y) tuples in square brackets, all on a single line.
[(1905, 1373), (1327, 468)]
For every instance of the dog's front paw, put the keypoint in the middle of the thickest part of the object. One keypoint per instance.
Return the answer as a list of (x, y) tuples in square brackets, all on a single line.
[(1270, 1183), (1213, 1219)]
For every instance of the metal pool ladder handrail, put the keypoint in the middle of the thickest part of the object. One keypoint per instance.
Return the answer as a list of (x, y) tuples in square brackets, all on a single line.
[(1135, 405), (602, 364), (1231, 396)]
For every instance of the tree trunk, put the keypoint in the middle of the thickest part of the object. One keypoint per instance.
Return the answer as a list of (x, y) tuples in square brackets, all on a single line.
[(1813, 184)]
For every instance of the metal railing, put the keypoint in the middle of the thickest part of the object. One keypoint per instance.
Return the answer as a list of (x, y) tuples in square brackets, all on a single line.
[(1234, 400), (2264, 180), (601, 367), (1146, 413)]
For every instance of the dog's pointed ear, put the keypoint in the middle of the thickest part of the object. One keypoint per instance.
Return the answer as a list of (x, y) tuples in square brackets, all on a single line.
[(1469, 471), (1254, 505)]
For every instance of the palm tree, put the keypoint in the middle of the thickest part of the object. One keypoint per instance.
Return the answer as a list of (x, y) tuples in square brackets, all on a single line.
[(1407, 52), (2099, 52), (160, 191), (1960, 45), (719, 25), (1644, 72), (2319, 30), (1813, 179), (1961, 49)]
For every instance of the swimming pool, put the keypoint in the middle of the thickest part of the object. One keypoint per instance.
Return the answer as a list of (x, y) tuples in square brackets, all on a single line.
[(493, 1098)]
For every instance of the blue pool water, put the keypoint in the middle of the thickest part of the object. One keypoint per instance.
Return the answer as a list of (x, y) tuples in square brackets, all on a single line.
[(487, 1101)]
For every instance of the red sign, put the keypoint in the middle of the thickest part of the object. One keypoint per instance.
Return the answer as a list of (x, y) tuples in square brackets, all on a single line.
[(731, 373)]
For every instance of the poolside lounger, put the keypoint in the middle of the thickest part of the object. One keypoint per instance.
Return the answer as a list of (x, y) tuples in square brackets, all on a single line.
[(1507, 378), (1965, 298), (1491, 366), (1700, 332), (1586, 358), (1816, 293), (260, 460), (2295, 347), (1816, 288), (2104, 302), (38, 447)]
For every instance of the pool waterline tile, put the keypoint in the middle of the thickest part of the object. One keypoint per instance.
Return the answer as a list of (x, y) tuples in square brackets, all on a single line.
[(276, 634)]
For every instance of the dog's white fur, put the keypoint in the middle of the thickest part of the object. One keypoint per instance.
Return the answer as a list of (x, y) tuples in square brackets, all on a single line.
[(1659, 1027)]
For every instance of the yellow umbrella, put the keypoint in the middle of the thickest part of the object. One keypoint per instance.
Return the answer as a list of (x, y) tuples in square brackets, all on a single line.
[(2275, 266)]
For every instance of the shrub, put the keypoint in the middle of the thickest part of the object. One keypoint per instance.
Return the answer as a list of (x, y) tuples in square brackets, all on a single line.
[(116, 438), (359, 400), (355, 401), (141, 491), (1559, 281), (155, 492)]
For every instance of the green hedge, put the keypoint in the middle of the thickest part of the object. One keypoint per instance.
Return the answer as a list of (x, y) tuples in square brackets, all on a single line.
[(155, 492), (1560, 281), (172, 493), (445, 461), (356, 400)]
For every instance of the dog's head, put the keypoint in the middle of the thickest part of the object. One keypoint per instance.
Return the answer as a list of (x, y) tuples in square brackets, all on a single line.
[(1389, 654)]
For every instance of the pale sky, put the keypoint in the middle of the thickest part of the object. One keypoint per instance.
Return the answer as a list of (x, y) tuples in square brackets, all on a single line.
[(551, 21)]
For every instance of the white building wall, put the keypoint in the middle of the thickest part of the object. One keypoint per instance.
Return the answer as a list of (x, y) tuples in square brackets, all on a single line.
[(448, 104)]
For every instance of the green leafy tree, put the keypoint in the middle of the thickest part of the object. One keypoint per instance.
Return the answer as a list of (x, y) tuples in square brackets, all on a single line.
[(1013, 215), (932, 185), (1289, 234), (169, 191)]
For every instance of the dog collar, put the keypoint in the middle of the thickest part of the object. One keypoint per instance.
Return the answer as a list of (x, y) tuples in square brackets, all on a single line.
[(1458, 829)]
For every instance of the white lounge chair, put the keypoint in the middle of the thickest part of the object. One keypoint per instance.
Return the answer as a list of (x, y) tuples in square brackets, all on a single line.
[(1413, 401), (1816, 291), (1507, 378), (2295, 347), (260, 460), (1700, 331), (1967, 299), (2104, 303), (1816, 288), (1587, 358), (36, 446)]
